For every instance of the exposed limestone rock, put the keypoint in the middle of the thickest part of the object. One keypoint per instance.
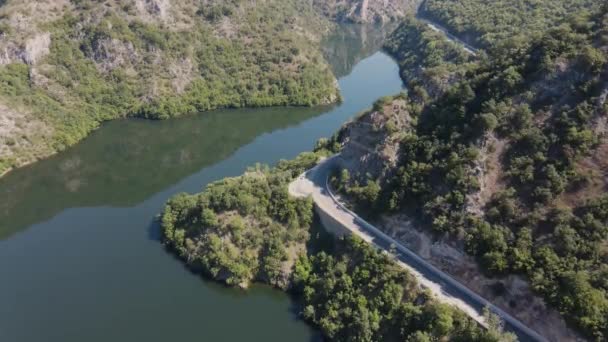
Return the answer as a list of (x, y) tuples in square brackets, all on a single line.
[(489, 172), (37, 47), (154, 8), (10, 53), (367, 11), (182, 72)]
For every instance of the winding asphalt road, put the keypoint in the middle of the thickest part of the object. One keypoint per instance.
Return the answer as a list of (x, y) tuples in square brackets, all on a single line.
[(438, 28), (315, 183)]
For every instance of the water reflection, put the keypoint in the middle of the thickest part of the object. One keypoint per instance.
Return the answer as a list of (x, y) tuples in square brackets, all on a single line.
[(127, 161), (93, 272), (350, 43)]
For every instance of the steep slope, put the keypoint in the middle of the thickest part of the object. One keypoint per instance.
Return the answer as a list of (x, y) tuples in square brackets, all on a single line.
[(484, 23), (429, 63), (502, 175), (248, 228), (366, 11), (67, 66)]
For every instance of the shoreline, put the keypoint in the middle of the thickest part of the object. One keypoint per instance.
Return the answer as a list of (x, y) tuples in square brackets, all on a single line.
[(333, 99)]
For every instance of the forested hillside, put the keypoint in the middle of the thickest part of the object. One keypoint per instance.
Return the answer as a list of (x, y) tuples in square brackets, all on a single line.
[(67, 66), (507, 165), (485, 23), (246, 229), (427, 60)]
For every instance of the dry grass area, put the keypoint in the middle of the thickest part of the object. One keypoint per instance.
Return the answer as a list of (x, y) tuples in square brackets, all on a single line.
[(374, 137), (490, 173)]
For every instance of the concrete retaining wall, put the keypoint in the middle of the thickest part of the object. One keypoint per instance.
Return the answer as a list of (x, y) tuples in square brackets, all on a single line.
[(331, 225)]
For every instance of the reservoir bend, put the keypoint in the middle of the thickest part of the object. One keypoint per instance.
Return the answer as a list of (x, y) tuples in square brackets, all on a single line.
[(79, 253)]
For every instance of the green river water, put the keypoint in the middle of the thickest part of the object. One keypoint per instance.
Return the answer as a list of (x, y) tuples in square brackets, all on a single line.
[(80, 258)]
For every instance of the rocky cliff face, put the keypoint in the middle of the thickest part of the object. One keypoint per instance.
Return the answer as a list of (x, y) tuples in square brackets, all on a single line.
[(367, 11), (371, 141), (371, 149)]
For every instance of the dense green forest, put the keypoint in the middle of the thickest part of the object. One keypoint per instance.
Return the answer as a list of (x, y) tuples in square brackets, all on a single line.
[(247, 228), (543, 98), (486, 23), (352, 292), (427, 60), (89, 62), (242, 229)]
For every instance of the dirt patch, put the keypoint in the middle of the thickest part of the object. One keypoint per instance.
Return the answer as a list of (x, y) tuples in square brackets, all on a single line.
[(373, 139), (490, 173)]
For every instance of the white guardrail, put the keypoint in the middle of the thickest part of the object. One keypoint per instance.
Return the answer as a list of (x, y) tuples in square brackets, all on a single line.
[(480, 301)]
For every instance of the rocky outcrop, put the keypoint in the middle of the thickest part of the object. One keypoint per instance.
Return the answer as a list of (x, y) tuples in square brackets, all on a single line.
[(110, 54), (37, 47), (153, 9), (370, 142), (34, 50), (367, 11)]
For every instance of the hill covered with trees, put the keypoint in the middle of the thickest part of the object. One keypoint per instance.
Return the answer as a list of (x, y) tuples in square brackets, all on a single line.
[(366, 11), (507, 165), (67, 66), (500, 157)]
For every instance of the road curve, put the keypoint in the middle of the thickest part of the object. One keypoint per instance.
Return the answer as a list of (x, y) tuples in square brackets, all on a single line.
[(438, 28), (314, 183)]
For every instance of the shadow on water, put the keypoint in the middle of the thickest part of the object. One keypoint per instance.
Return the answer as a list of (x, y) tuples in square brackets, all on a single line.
[(127, 161)]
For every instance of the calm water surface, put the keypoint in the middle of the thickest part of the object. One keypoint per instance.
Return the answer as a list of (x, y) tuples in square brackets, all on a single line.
[(79, 253)]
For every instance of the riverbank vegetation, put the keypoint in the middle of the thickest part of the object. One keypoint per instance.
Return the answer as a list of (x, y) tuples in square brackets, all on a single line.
[(243, 229), (247, 228), (536, 106), (87, 62)]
